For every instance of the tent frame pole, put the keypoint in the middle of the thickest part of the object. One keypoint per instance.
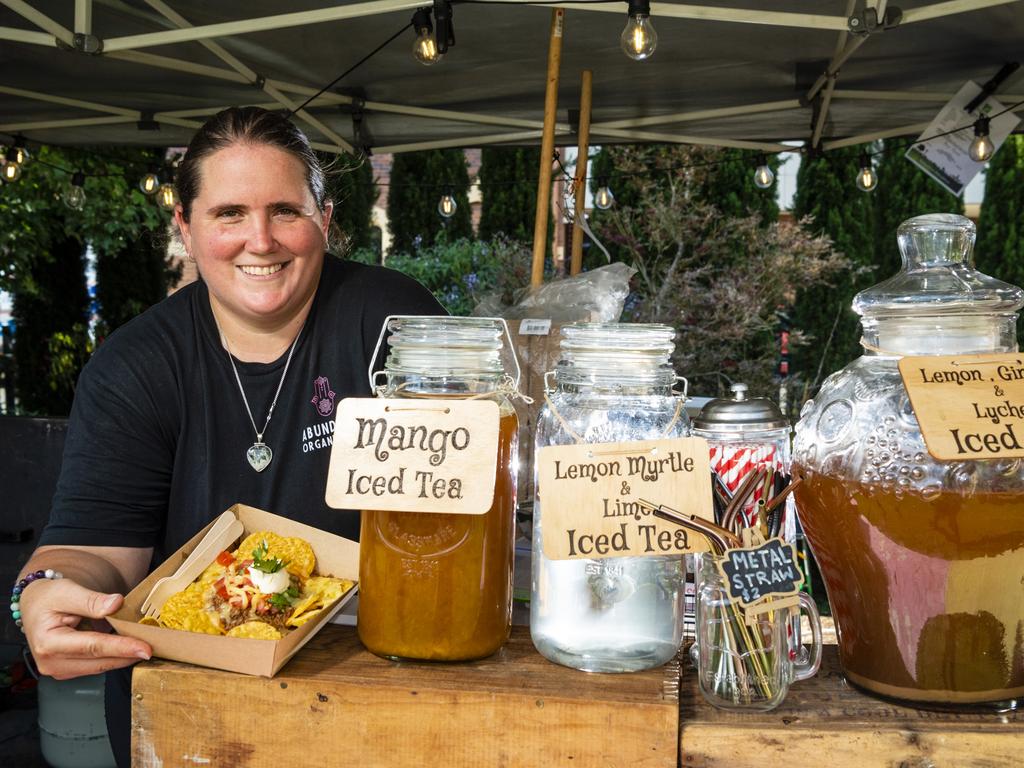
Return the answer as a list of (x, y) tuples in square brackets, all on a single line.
[(579, 183), (547, 147)]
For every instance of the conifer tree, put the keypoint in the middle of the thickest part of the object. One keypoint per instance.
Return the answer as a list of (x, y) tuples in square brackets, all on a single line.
[(826, 191), (350, 185), (418, 179), (1000, 246), (729, 185), (53, 301), (508, 190), (903, 191)]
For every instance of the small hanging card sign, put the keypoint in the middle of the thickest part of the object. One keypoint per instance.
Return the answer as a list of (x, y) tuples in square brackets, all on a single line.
[(760, 575), (592, 496), (414, 455), (945, 158), (968, 406)]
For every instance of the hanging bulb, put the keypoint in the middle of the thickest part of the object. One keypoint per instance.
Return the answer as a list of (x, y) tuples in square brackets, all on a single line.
[(150, 183), (21, 153), (447, 205), (639, 39), (167, 196), (424, 48), (11, 170), (763, 176), (867, 180), (603, 198), (74, 193), (982, 147)]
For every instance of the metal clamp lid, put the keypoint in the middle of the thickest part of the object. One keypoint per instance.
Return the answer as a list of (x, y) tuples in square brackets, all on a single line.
[(740, 413)]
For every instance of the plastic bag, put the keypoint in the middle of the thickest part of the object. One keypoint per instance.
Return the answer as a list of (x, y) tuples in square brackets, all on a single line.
[(596, 296)]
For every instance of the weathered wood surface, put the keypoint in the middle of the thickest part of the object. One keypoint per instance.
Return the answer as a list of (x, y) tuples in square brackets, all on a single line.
[(825, 721), (335, 703)]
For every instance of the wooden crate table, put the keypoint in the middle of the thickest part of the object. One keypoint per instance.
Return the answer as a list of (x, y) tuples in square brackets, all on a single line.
[(824, 721), (337, 704)]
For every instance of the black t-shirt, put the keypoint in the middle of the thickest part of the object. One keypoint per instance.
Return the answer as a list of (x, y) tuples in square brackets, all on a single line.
[(157, 441)]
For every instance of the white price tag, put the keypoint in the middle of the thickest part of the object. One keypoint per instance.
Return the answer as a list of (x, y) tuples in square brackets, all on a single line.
[(534, 327)]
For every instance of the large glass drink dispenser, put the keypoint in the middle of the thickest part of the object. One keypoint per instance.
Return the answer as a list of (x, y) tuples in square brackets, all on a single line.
[(923, 558)]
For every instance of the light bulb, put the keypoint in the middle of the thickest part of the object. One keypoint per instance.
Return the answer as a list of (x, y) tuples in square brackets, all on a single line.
[(21, 153), (867, 180), (150, 183), (763, 176), (603, 198), (424, 48), (639, 39), (74, 193), (982, 147), (447, 205), (167, 196), (11, 171)]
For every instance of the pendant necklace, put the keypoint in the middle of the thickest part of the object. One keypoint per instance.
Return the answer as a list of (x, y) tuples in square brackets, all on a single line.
[(259, 453)]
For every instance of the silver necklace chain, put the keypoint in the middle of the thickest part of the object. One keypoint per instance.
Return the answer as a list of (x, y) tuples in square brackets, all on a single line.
[(264, 455)]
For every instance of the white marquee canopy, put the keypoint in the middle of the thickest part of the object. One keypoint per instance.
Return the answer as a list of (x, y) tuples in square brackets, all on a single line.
[(147, 72)]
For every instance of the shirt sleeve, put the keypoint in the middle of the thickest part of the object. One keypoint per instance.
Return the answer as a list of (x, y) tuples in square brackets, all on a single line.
[(119, 453)]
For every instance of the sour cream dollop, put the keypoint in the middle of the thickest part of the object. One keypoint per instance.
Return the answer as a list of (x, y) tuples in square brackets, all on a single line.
[(269, 583)]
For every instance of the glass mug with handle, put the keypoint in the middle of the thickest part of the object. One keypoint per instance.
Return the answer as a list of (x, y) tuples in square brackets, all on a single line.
[(748, 666)]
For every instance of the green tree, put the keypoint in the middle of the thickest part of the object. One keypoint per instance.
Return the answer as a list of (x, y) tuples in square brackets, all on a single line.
[(41, 247), (829, 203), (50, 315), (132, 279), (508, 189), (903, 191), (1000, 248), (350, 184), (418, 179), (729, 185)]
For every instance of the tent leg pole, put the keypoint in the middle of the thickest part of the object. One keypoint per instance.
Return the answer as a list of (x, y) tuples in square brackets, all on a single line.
[(580, 182), (547, 148)]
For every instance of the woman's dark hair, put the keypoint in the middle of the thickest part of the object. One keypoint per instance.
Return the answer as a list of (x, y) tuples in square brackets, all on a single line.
[(246, 125)]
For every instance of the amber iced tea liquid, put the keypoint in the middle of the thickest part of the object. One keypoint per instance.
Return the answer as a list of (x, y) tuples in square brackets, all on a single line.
[(927, 595), (436, 586)]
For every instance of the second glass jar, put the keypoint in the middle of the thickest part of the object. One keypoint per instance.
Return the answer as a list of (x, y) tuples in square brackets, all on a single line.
[(613, 383), (438, 586)]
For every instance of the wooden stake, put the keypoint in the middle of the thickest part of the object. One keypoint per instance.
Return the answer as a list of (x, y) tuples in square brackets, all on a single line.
[(547, 148), (580, 182)]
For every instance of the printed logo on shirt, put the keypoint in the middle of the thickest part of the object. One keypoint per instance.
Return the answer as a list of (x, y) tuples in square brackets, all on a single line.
[(317, 436), (323, 396)]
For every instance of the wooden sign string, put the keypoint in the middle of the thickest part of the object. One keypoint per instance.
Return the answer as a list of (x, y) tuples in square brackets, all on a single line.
[(879, 350), (580, 441), (507, 388)]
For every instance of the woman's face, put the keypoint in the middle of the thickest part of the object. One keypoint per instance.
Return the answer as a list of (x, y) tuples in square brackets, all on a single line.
[(256, 234)]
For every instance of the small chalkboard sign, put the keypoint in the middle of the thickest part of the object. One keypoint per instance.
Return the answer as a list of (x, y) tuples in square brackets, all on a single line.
[(755, 573)]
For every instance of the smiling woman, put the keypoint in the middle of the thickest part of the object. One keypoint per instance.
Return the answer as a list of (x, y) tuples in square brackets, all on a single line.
[(160, 440)]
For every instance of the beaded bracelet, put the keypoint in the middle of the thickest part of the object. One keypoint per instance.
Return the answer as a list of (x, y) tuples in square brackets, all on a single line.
[(20, 587)]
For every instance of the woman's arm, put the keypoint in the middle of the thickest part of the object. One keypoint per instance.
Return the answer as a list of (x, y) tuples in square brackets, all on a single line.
[(57, 614)]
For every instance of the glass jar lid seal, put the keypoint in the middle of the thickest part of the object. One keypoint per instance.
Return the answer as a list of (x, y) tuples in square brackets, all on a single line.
[(740, 413), (938, 275), (440, 346)]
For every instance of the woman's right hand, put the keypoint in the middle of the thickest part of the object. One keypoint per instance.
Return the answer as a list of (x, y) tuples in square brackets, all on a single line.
[(63, 622)]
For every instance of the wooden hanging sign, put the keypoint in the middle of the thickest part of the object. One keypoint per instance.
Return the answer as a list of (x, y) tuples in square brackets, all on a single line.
[(414, 455), (591, 497), (968, 406)]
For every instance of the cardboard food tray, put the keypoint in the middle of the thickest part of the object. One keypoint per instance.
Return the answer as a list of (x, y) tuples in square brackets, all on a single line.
[(335, 556)]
